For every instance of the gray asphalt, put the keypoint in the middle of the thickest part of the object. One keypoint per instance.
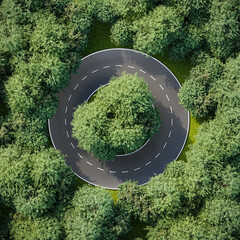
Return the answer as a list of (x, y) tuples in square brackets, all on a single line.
[(165, 147)]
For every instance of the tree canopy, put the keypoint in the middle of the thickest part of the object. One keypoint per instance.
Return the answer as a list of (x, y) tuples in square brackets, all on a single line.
[(198, 94), (48, 228), (120, 119), (34, 183), (41, 44), (223, 28), (156, 31), (93, 216)]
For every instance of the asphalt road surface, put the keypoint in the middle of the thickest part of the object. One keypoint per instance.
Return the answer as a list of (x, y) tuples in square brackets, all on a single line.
[(165, 147)]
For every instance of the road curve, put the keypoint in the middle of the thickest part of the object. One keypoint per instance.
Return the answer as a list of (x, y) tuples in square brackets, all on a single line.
[(95, 70)]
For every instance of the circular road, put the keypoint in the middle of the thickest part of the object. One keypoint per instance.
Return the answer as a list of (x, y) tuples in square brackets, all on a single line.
[(96, 70)]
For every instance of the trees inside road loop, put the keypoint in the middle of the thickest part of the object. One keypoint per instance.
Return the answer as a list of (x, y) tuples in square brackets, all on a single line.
[(119, 120)]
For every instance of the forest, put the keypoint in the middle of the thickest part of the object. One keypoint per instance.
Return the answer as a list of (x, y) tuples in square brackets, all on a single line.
[(41, 45)]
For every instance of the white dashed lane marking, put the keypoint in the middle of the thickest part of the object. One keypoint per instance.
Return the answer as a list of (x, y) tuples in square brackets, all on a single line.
[(136, 169), (89, 163), (95, 71), (75, 87), (147, 163), (169, 135), (67, 134), (161, 86), (152, 77), (66, 110)]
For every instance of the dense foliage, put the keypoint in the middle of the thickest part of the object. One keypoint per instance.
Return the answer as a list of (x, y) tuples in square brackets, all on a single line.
[(198, 198), (93, 216), (34, 183), (223, 28), (199, 92), (48, 228), (42, 47), (41, 44), (119, 119)]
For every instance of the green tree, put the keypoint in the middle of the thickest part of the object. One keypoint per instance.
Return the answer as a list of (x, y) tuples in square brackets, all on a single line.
[(104, 11), (220, 219), (198, 94), (216, 218), (223, 28), (136, 202), (42, 49), (182, 228), (167, 191), (24, 7), (9, 126), (62, 41), (156, 31), (55, 7), (34, 183), (128, 11), (16, 11), (120, 119), (48, 36), (48, 228), (212, 169), (131, 9), (228, 184), (228, 87), (94, 216), (223, 142), (194, 11), (78, 21), (163, 197), (189, 40), (122, 33), (216, 147), (32, 133), (31, 105), (27, 94), (13, 41)]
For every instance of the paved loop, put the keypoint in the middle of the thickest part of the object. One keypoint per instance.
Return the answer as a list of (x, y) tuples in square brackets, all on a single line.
[(95, 71)]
